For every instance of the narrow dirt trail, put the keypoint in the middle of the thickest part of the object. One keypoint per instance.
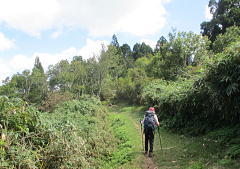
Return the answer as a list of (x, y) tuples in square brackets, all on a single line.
[(149, 163), (146, 162), (178, 151)]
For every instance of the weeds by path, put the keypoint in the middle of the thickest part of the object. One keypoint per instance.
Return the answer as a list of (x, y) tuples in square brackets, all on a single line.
[(179, 152), (189, 153), (130, 116)]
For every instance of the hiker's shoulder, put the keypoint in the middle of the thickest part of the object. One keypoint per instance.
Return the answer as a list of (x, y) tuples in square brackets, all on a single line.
[(147, 113)]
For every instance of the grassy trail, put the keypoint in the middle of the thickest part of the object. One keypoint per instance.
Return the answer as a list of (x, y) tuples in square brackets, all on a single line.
[(178, 151), (131, 116)]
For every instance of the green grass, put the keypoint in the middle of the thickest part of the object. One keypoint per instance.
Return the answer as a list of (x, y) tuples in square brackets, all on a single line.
[(178, 151), (191, 153), (127, 117), (131, 115)]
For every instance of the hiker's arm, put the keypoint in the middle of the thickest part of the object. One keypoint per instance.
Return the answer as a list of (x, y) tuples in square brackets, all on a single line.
[(143, 120), (156, 120)]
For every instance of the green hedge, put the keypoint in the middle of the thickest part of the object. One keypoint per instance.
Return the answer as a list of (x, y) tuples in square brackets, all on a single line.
[(197, 105), (74, 135)]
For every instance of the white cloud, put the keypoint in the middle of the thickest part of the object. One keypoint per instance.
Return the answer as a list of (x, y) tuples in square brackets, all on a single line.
[(56, 34), (21, 62), (166, 1), (208, 15), (139, 17), (146, 18), (18, 63), (149, 42), (92, 48), (4, 70), (31, 16), (48, 58), (5, 43)]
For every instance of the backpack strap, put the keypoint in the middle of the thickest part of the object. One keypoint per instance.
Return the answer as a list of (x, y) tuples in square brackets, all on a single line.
[(149, 113)]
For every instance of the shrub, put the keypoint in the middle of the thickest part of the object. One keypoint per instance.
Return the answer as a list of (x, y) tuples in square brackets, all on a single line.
[(80, 137), (198, 105), (23, 135), (75, 135)]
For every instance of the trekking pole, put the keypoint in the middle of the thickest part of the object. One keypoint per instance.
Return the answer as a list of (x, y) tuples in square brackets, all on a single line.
[(142, 135), (159, 137)]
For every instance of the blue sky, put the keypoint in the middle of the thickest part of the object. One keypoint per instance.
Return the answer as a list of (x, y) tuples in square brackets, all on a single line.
[(60, 29)]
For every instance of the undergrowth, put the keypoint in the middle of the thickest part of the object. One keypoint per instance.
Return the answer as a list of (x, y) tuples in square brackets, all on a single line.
[(124, 146), (74, 135)]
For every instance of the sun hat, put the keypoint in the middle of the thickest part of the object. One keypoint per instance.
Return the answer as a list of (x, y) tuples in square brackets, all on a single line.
[(151, 109)]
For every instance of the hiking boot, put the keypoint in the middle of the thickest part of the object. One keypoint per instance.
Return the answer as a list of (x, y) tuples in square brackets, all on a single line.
[(150, 154), (145, 153)]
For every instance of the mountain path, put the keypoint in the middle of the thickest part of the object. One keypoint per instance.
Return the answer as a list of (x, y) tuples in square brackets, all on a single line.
[(148, 162)]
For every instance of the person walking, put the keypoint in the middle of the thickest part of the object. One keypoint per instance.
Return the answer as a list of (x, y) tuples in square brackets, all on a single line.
[(150, 122)]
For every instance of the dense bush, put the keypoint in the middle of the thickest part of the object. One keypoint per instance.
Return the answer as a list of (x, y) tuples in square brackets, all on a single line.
[(224, 40), (81, 138), (16, 115), (22, 136), (75, 135), (207, 103), (173, 101), (53, 99), (130, 87), (228, 136)]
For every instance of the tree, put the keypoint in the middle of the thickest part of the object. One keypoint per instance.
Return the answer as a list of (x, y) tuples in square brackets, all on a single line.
[(137, 51), (126, 50), (222, 41), (146, 49), (38, 65), (113, 62), (159, 46), (79, 74), (225, 13), (95, 75), (130, 87), (31, 86), (182, 50), (23, 83), (39, 87), (115, 41), (140, 50), (127, 54), (188, 48), (77, 58), (60, 76), (9, 88)]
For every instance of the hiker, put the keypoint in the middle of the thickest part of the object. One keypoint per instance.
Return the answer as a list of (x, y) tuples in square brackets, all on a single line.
[(150, 122)]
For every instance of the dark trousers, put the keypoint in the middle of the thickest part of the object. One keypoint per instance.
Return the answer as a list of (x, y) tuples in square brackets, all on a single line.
[(149, 138)]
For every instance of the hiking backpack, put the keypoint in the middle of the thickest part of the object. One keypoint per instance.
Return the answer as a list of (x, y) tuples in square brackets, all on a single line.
[(149, 123)]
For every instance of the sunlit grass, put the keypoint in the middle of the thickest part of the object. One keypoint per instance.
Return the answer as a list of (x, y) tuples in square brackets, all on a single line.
[(178, 151)]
